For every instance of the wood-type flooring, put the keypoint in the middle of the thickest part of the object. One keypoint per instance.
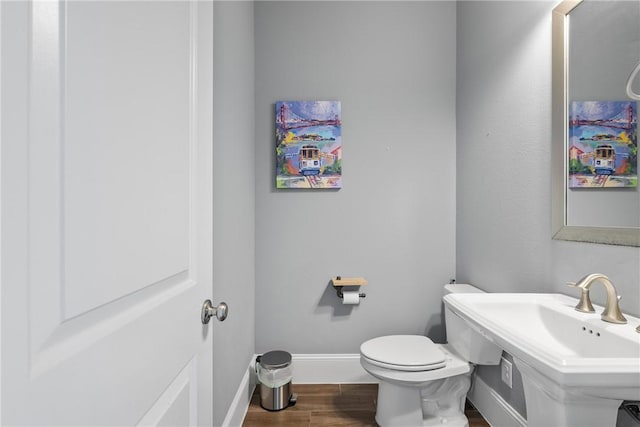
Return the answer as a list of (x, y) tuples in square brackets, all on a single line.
[(338, 405)]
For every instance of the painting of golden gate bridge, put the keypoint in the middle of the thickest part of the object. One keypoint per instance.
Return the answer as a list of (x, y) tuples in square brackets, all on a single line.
[(308, 144), (603, 144)]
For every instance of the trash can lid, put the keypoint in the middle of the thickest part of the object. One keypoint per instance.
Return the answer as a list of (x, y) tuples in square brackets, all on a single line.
[(275, 359)]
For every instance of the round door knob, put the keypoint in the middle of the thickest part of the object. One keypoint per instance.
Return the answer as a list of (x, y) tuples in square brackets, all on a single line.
[(221, 311)]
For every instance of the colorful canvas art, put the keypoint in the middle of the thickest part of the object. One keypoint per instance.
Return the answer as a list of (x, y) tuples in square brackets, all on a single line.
[(308, 144), (603, 144)]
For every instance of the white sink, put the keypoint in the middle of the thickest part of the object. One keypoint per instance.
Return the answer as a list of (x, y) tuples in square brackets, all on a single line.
[(576, 368)]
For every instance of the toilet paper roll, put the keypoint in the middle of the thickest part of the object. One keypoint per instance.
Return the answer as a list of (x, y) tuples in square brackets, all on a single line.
[(350, 297)]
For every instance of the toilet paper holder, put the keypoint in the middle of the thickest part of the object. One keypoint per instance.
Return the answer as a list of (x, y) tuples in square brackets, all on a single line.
[(340, 282)]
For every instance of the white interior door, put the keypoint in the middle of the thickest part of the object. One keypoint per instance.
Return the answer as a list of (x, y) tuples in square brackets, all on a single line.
[(106, 212)]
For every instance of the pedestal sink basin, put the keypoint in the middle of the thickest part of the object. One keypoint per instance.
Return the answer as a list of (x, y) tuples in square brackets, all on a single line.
[(576, 369)]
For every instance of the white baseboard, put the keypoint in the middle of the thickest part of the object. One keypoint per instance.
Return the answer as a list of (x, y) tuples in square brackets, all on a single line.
[(493, 407), (240, 404)]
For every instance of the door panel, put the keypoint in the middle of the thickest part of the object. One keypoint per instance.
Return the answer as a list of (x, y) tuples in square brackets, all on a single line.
[(172, 408), (106, 198), (126, 169)]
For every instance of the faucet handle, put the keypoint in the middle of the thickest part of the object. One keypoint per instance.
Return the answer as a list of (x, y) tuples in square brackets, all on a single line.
[(584, 305)]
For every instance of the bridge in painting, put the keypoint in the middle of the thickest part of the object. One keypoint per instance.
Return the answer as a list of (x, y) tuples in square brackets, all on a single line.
[(288, 120), (624, 121)]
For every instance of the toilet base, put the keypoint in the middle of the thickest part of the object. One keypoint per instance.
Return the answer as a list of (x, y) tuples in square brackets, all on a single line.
[(398, 406), (437, 403)]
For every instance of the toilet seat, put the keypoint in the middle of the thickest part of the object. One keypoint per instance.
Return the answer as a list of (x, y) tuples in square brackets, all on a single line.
[(404, 353)]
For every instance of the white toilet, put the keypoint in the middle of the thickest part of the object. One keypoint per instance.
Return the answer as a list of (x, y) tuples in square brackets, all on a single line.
[(423, 383)]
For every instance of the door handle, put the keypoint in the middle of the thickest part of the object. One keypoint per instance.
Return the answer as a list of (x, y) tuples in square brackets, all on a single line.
[(221, 311)]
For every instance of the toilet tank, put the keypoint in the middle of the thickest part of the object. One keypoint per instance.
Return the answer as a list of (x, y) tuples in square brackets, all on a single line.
[(466, 341)]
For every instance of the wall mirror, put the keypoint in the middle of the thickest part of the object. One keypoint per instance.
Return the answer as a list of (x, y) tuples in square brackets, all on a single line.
[(596, 48)]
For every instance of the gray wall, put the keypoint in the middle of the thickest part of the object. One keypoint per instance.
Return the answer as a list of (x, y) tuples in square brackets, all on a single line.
[(503, 239), (392, 65), (503, 155), (234, 201)]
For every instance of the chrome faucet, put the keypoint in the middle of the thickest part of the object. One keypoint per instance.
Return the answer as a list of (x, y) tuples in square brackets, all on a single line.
[(611, 311)]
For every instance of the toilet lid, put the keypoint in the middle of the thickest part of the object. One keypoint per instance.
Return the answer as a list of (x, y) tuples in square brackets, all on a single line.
[(404, 352)]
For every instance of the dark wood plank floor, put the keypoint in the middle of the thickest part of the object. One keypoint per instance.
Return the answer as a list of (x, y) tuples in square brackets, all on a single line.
[(343, 405)]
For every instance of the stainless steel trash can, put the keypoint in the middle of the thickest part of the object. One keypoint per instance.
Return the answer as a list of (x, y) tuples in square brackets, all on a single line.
[(274, 374)]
